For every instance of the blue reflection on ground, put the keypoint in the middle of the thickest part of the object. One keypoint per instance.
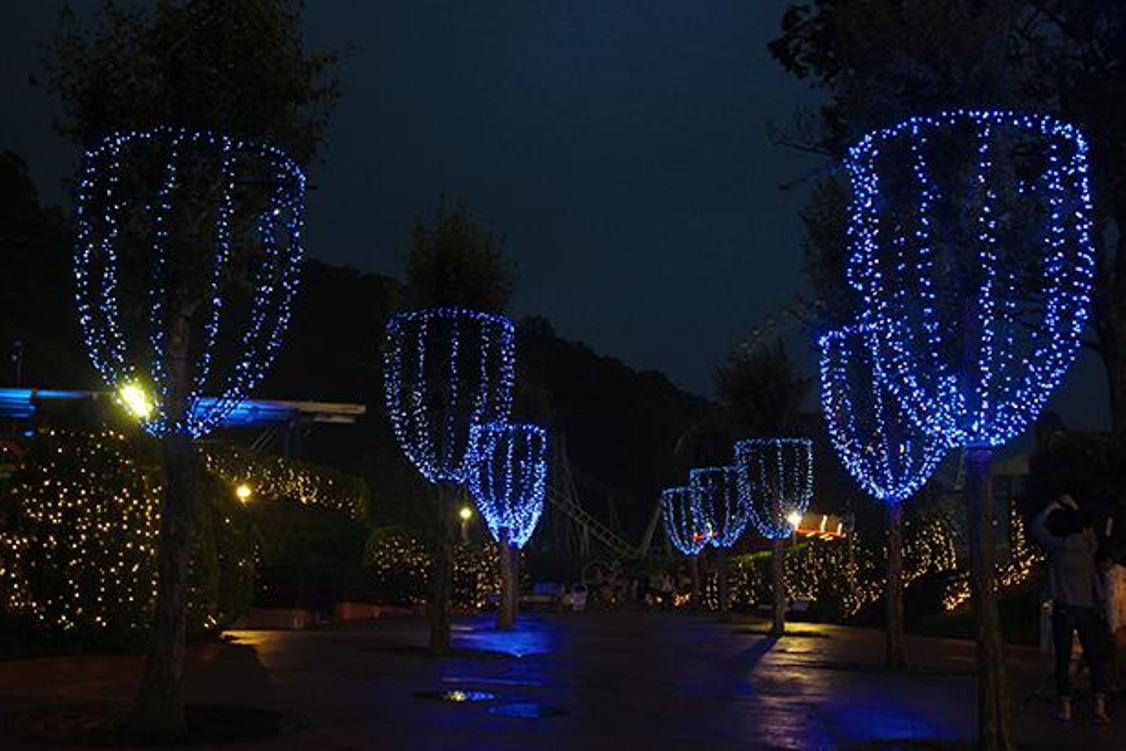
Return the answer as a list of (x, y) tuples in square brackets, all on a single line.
[(871, 723), (524, 710), (532, 636)]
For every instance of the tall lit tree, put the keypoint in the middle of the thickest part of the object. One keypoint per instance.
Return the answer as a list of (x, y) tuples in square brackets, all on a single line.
[(446, 370), (184, 221), (887, 455), (971, 250)]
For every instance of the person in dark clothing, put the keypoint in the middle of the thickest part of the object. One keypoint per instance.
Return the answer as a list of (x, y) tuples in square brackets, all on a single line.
[(1078, 595)]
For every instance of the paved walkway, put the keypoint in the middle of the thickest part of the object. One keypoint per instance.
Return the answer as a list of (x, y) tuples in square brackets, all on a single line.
[(583, 681)]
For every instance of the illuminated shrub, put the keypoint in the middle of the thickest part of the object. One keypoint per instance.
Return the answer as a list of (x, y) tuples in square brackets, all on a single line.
[(401, 566), (81, 518), (274, 478)]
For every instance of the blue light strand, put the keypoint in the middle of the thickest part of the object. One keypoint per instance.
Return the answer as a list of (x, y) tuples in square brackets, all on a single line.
[(683, 524), (988, 386), (883, 450), (507, 477), (100, 202), (445, 370), (775, 477), (273, 298), (722, 509)]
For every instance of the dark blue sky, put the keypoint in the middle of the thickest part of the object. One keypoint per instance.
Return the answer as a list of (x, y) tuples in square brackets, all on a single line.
[(620, 147)]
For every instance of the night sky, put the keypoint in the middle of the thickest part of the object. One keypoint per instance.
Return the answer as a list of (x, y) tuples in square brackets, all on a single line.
[(620, 148)]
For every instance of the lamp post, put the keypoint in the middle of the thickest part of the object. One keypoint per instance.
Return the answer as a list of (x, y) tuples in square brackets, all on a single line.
[(465, 514)]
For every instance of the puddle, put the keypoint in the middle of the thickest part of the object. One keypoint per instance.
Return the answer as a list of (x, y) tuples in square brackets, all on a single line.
[(456, 696), (526, 710)]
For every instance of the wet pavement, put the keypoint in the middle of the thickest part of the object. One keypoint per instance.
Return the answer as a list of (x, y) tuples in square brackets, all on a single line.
[(584, 681)]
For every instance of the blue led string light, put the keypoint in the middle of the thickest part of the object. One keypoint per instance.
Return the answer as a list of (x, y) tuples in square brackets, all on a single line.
[(445, 370), (101, 202), (722, 510), (775, 478), (878, 444), (685, 529), (507, 476), (978, 362)]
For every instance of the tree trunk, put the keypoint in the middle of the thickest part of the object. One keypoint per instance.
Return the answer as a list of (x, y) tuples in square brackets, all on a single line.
[(1110, 324), (721, 583), (778, 586), (694, 572), (159, 707), (893, 591), (514, 605), (995, 721), (1115, 365), (505, 613), (442, 578)]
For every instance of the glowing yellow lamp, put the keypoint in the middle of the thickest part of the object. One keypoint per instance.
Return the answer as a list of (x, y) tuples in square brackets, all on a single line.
[(794, 519), (136, 401), (243, 491), (466, 513)]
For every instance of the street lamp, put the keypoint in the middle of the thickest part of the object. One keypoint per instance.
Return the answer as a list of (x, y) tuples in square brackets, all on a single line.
[(465, 514), (244, 491)]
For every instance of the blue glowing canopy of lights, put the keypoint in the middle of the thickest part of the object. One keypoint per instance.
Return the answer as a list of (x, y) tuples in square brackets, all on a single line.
[(684, 526), (258, 186), (507, 476), (722, 510), (775, 477), (970, 245), (445, 370), (883, 450)]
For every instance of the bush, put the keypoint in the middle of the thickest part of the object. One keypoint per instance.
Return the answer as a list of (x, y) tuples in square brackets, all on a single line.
[(275, 478), (81, 520), (401, 564), (308, 557)]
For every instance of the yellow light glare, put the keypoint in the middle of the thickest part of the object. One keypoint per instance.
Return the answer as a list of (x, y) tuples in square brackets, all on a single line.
[(136, 401), (466, 513), (794, 519), (243, 491)]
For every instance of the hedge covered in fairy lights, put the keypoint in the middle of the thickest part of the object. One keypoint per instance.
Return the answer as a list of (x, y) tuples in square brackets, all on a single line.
[(79, 522), (80, 519), (274, 478), (401, 565), (843, 582)]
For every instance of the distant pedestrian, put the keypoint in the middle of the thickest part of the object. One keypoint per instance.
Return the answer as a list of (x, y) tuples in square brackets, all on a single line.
[(1078, 597)]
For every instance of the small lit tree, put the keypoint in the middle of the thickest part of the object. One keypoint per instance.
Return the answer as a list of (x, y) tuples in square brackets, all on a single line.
[(507, 476), (446, 370), (970, 245), (887, 455), (723, 513), (775, 477), (686, 529)]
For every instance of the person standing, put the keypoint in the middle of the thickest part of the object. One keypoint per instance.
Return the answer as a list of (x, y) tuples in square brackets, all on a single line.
[(1078, 598)]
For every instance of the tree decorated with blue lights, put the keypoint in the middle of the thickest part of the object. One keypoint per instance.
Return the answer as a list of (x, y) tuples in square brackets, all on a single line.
[(446, 370), (685, 528), (256, 195), (887, 454), (507, 476), (197, 218), (971, 249), (775, 477), (188, 239), (723, 514)]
